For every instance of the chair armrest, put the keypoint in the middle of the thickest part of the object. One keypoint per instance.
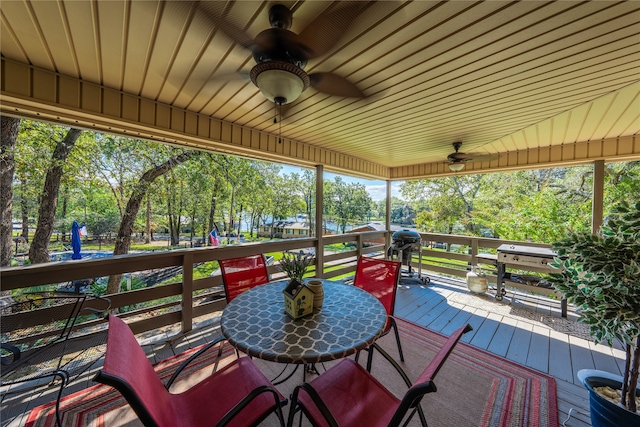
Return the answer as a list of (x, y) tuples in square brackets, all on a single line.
[(98, 311), (15, 351), (247, 400), (193, 357), (393, 363), (317, 400)]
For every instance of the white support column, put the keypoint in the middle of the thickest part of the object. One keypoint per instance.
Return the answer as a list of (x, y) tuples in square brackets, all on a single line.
[(319, 223), (597, 208), (387, 243)]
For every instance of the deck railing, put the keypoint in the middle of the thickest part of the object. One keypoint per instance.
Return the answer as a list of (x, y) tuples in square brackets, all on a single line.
[(186, 298)]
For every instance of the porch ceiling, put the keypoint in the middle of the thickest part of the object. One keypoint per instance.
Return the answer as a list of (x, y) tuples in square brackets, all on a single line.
[(534, 83)]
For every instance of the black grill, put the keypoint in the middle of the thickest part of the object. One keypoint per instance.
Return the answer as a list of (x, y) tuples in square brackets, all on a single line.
[(406, 241)]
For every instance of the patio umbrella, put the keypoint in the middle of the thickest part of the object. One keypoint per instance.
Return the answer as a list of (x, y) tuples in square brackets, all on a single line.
[(76, 244)]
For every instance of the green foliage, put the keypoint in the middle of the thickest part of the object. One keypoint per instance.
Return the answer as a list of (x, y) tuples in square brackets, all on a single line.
[(600, 274), (346, 203), (295, 265)]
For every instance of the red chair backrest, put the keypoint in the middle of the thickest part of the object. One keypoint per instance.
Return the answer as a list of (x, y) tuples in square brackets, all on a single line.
[(241, 274), (380, 278), (127, 368)]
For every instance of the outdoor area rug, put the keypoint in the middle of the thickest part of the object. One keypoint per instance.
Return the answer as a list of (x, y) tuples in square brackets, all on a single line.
[(475, 388)]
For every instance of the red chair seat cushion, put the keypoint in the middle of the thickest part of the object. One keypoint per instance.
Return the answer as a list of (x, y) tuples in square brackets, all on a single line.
[(212, 398), (353, 397)]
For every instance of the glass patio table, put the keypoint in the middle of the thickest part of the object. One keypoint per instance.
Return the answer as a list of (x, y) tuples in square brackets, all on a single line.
[(350, 319)]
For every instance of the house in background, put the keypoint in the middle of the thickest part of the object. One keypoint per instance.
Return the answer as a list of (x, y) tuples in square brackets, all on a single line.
[(377, 226), (285, 230)]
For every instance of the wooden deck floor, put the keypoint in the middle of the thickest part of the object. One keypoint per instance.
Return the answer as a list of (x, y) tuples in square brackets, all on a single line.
[(523, 328)]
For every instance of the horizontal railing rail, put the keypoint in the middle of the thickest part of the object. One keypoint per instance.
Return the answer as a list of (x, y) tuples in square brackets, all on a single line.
[(186, 298)]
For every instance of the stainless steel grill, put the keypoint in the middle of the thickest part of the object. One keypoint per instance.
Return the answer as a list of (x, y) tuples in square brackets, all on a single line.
[(528, 258)]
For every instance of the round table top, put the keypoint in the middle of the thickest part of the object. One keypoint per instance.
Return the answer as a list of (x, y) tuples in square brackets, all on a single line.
[(350, 319)]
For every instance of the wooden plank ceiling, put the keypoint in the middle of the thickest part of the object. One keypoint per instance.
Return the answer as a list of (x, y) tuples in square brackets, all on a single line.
[(531, 83)]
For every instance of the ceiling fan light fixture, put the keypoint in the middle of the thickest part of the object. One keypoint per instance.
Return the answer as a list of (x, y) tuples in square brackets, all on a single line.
[(279, 81), (456, 166)]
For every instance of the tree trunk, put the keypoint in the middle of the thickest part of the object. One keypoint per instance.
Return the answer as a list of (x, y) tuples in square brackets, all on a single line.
[(147, 239), (212, 211), (39, 249), (239, 213), (8, 136), (24, 209), (65, 198), (230, 229), (193, 223), (172, 226), (123, 240)]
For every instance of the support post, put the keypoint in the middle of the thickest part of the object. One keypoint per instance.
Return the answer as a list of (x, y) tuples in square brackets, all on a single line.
[(387, 236), (598, 196), (319, 223)]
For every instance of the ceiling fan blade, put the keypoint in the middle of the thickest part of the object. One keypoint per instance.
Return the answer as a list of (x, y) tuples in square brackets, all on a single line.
[(481, 157), (334, 84), (324, 32), (214, 12)]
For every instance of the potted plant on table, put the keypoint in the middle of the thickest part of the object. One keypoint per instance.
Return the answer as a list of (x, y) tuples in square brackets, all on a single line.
[(600, 274), (295, 265)]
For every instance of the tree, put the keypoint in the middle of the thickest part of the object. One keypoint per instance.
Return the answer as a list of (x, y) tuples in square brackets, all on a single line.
[(282, 198), (306, 188), (123, 239), (404, 214), (38, 251), (450, 200), (8, 137), (347, 203)]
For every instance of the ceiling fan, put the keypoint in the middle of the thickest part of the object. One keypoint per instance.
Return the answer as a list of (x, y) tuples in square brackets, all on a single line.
[(281, 54), (457, 160)]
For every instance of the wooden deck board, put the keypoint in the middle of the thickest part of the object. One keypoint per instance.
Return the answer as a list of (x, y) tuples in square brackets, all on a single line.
[(520, 341), (603, 358), (538, 357), (500, 343), (486, 331), (476, 320), (581, 357), (560, 354)]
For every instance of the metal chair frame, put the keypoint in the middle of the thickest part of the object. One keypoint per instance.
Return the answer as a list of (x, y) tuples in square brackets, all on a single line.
[(37, 341), (386, 295), (156, 406), (243, 273), (312, 397)]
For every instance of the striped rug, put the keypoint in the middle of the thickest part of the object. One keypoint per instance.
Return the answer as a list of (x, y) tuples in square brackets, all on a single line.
[(475, 388)]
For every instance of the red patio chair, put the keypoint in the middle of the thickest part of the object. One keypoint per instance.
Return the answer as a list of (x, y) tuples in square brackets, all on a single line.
[(241, 274), (348, 395), (238, 394), (380, 278)]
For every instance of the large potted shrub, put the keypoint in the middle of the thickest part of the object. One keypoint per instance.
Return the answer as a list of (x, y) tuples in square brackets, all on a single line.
[(600, 274)]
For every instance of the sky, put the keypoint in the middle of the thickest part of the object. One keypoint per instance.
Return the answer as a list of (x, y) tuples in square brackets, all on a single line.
[(377, 189)]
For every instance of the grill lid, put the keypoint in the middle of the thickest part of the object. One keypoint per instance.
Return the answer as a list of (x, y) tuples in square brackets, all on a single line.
[(407, 236)]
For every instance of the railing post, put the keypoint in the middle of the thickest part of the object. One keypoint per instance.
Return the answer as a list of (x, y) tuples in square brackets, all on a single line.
[(359, 242), (474, 252), (187, 292)]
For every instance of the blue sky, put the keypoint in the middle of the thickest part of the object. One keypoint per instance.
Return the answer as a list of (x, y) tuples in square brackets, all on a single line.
[(376, 188)]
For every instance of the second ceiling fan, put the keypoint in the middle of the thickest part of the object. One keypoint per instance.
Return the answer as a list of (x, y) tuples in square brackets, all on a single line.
[(457, 160)]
